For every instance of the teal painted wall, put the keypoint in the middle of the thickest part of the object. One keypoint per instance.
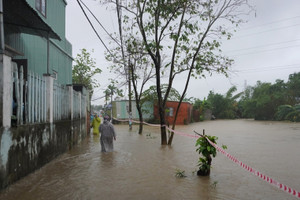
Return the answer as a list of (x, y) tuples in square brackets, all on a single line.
[(55, 14), (34, 48), (120, 110)]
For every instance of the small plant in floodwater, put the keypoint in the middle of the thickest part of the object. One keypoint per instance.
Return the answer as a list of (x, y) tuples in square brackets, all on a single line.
[(180, 173), (206, 151), (214, 184), (149, 136)]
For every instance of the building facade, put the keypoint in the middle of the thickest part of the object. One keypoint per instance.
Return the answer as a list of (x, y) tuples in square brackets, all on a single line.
[(184, 114), (49, 54), (120, 110), (41, 113)]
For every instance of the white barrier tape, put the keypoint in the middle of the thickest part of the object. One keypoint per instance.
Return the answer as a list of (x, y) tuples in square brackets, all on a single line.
[(248, 168)]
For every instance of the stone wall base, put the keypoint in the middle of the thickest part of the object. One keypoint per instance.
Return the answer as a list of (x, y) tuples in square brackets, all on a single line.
[(25, 148)]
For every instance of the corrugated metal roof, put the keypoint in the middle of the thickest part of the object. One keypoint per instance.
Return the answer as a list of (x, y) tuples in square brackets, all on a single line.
[(21, 17)]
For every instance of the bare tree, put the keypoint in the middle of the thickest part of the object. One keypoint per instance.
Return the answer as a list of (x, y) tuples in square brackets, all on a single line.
[(139, 71), (188, 33)]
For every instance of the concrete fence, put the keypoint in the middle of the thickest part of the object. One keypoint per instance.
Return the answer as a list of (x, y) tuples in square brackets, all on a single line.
[(39, 119), (40, 99)]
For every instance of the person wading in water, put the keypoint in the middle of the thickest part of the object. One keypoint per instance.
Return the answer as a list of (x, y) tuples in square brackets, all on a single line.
[(107, 135), (95, 124)]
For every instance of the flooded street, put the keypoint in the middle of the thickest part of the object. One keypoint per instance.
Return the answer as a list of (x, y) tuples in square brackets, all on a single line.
[(140, 168)]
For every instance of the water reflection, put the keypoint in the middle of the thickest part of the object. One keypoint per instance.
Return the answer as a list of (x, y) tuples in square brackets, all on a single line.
[(140, 168), (96, 139)]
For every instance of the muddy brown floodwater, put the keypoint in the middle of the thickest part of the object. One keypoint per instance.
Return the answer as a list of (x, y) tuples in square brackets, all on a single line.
[(140, 168)]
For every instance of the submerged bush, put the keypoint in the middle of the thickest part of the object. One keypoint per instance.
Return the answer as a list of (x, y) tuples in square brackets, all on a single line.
[(288, 112), (206, 150)]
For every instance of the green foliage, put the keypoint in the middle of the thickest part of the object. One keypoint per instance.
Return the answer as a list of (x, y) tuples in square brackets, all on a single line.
[(224, 106), (151, 95), (201, 106), (84, 70), (294, 116), (246, 105), (204, 147), (264, 100), (283, 111), (206, 150), (111, 90), (293, 89), (288, 112), (214, 184), (180, 173)]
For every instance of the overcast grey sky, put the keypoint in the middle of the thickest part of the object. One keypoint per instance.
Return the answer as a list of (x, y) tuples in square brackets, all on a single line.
[(266, 48)]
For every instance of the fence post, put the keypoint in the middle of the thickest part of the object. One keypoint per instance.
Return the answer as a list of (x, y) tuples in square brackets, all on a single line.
[(80, 105), (29, 98), (49, 96), (71, 111), (5, 90), (17, 92)]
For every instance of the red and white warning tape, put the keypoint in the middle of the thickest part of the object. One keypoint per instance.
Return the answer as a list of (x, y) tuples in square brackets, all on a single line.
[(243, 165), (257, 173)]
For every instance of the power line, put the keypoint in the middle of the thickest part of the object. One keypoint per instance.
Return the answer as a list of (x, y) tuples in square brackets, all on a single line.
[(99, 23), (256, 52), (272, 22), (285, 27), (266, 45), (118, 86), (93, 27), (269, 68), (98, 98)]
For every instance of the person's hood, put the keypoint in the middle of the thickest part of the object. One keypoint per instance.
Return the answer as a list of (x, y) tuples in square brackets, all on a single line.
[(98, 119)]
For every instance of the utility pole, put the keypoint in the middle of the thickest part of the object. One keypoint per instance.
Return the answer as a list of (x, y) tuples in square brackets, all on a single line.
[(111, 107), (119, 15), (2, 45)]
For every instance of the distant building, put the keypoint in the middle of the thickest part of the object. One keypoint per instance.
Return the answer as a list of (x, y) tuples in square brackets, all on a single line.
[(150, 111), (121, 108), (184, 114)]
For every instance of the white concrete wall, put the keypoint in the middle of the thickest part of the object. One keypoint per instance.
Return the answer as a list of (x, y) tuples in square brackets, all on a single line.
[(49, 97), (6, 89)]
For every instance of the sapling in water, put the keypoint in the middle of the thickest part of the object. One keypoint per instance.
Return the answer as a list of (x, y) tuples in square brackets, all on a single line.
[(206, 150)]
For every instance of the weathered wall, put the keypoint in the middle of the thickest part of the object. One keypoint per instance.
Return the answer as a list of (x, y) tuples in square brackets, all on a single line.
[(184, 114), (120, 109), (26, 148)]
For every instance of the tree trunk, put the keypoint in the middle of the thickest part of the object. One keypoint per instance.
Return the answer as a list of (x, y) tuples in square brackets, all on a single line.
[(129, 95), (205, 172), (174, 122), (140, 117), (163, 135), (162, 124)]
